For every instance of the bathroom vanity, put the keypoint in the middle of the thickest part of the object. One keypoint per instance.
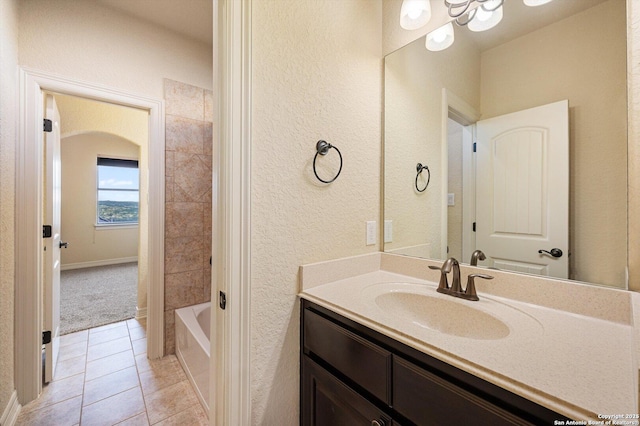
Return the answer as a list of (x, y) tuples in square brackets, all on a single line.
[(380, 346), (354, 375)]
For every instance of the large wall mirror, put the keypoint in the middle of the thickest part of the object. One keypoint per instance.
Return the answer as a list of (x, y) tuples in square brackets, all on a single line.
[(542, 98)]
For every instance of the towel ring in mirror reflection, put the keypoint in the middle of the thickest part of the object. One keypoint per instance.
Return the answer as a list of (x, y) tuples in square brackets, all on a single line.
[(419, 169), (322, 148)]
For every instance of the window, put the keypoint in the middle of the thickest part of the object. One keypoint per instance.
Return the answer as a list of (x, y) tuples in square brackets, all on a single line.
[(118, 191)]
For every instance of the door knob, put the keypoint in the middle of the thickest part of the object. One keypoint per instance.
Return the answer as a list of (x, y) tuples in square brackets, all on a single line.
[(63, 244), (555, 252)]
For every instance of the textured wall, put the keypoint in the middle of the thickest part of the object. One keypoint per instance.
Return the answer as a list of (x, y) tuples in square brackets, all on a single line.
[(8, 133), (80, 116), (414, 79), (83, 115), (98, 44), (189, 144), (568, 60), (316, 74)]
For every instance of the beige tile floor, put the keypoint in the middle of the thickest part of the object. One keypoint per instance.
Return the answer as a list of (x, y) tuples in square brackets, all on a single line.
[(103, 377)]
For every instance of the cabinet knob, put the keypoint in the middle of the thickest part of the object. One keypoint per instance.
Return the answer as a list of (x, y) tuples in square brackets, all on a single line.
[(378, 423)]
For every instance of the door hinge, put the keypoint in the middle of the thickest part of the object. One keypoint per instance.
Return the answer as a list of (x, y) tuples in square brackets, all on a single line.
[(48, 125), (475, 146), (474, 227), (223, 300), (46, 231), (46, 337)]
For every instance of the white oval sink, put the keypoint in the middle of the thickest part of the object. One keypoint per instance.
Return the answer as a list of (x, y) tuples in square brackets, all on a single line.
[(442, 315)]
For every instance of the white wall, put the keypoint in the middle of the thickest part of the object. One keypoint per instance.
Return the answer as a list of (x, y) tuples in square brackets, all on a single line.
[(8, 134), (87, 41), (316, 74)]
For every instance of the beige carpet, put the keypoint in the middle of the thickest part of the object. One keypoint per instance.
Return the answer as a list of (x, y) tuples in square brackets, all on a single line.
[(91, 297)]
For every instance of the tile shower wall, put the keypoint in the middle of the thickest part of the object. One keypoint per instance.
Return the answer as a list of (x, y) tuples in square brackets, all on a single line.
[(189, 133)]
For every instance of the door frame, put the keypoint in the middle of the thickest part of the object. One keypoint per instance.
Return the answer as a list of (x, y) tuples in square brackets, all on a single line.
[(460, 111), (231, 366), (28, 280)]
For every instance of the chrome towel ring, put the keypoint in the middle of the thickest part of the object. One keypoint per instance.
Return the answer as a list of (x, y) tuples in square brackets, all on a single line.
[(419, 169), (322, 148)]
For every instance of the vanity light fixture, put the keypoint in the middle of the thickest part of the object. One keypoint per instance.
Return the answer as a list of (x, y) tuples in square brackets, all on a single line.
[(415, 14), (485, 16), (441, 38)]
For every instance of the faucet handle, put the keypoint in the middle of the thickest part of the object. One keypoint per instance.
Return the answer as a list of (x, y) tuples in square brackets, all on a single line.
[(470, 289), (483, 276), (443, 285)]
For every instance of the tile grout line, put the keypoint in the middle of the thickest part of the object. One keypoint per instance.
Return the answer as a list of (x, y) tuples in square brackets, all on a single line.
[(135, 362), (84, 380)]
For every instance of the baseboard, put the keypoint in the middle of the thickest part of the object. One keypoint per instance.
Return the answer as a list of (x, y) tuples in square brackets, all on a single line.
[(11, 411), (93, 263), (141, 313)]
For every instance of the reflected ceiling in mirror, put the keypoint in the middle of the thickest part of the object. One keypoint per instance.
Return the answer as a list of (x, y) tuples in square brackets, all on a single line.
[(571, 50)]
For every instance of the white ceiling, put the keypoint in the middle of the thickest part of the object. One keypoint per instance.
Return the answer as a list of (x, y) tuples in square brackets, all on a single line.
[(191, 18), (194, 18)]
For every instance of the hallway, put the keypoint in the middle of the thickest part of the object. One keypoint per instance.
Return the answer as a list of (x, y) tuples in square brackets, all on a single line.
[(103, 377)]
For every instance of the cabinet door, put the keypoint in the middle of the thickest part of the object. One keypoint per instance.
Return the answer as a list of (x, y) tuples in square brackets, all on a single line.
[(426, 399), (326, 401)]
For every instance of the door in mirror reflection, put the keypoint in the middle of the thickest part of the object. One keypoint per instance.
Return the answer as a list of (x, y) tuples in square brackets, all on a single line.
[(522, 190)]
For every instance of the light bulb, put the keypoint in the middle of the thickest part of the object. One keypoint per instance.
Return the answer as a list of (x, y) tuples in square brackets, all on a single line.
[(485, 19), (534, 3), (439, 35), (415, 14), (482, 15), (441, 38)]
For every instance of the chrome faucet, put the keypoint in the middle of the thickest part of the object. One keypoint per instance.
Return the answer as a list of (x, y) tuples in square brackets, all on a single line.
[(477, 255), (452, 265)]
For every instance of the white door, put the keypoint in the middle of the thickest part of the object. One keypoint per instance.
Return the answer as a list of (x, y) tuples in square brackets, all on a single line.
[(523, 190), (52, 245)]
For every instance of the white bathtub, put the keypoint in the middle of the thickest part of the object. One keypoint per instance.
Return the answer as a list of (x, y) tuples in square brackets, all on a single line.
[(192, 347)]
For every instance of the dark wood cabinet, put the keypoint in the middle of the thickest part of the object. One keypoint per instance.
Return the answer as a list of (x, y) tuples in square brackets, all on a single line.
[(352, 375), (329, 402)]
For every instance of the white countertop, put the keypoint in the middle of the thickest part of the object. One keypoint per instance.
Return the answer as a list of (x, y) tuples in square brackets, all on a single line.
[(577, 365)]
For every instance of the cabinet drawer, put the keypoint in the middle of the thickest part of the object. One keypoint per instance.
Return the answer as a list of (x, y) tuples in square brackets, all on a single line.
[(427, 399), (363, 362)]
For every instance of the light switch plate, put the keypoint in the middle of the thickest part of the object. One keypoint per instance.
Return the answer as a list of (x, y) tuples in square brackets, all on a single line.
[(371, 232), (451, 199)]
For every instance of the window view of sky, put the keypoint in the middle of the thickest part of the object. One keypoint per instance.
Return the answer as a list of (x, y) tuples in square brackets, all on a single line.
[(123, 182)]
